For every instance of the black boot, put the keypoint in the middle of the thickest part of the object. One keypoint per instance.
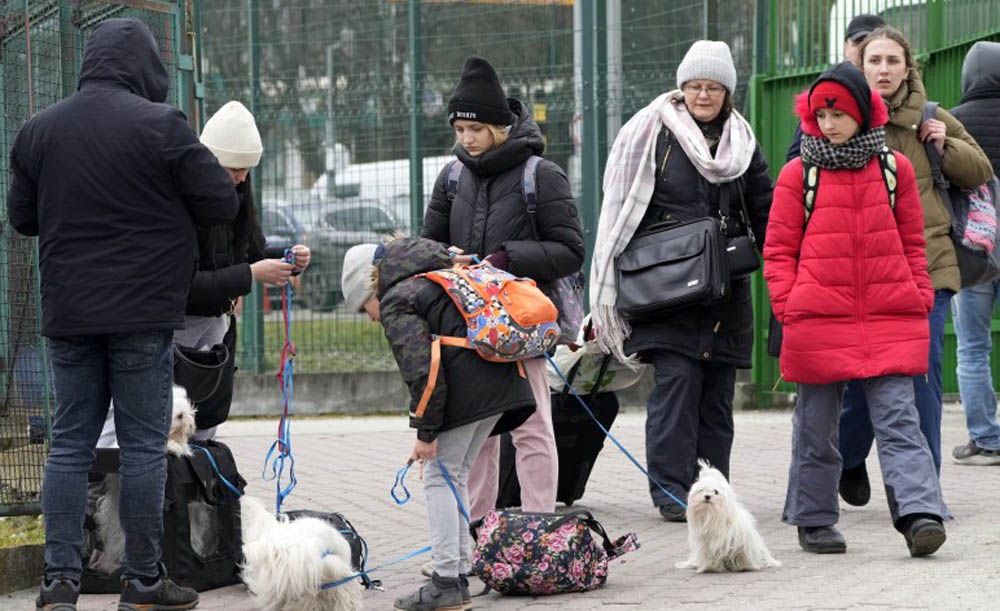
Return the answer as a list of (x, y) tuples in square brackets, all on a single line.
[(854, 486), (924, 535), (672, 512), (822, 540)]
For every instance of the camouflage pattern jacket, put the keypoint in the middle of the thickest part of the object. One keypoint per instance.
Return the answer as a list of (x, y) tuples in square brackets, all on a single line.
[(413, 309)]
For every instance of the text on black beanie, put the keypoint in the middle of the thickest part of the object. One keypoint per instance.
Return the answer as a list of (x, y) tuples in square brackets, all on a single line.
[(479, 96)]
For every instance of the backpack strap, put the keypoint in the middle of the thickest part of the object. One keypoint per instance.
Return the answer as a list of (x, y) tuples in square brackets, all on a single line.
[(454, 171), (887, 163), (810, 186), (529, 190)]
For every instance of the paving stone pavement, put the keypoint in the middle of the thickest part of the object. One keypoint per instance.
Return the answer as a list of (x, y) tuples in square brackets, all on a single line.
[(347, 465)]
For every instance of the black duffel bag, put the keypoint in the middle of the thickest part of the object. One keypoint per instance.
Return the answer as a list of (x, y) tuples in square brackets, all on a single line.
[(672, 266), (207, 375)]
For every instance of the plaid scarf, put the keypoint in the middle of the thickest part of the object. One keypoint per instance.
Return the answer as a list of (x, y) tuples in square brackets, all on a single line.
[(853, 154), (629, 179)]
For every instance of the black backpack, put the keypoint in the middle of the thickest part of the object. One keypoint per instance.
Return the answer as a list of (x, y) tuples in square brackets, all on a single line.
[(359, 549), (195, 498)]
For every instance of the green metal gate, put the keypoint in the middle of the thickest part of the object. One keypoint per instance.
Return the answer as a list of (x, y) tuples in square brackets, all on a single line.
[(41, 47), (800, 41)]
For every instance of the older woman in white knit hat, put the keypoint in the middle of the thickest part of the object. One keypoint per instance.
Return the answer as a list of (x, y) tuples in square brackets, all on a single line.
[(676, 160), (230, 258)]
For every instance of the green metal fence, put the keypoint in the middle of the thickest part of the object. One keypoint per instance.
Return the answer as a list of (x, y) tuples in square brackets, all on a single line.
[(41, 46), (804, 38), (350, 99)]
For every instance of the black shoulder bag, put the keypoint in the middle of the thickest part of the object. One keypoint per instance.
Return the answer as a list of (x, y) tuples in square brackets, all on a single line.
[(208, 377), (741, 250)]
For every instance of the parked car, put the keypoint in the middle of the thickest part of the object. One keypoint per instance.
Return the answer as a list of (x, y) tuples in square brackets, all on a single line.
[(342, 224)]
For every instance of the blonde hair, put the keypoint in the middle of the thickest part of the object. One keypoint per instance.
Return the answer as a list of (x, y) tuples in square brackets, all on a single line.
[(500, 133)]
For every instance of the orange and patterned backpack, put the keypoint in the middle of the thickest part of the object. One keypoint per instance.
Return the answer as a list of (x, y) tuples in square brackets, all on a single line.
[(508, 319)]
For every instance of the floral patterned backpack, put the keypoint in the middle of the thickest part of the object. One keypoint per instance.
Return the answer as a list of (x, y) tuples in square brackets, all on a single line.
[(508, 319), (544, 553)]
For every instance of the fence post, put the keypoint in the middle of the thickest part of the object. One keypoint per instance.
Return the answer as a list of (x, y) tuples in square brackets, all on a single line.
[(416, 121), (253, 305), (590, 171)]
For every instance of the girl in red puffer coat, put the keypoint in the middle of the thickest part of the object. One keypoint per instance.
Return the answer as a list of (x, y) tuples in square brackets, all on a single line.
[(848, 281)]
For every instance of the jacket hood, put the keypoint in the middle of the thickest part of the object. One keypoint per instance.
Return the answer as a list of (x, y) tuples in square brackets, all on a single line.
[(407, 257), (854, 81), (906, 106), (981, 71), (124, 52), (525, 140)]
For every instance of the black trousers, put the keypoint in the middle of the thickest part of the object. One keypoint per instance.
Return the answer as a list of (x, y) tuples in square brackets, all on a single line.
[(689, 416)]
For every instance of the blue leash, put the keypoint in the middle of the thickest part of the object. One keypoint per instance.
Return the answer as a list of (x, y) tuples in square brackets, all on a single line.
[(283, 444), (610, 436), (225, 481), (399, 483)]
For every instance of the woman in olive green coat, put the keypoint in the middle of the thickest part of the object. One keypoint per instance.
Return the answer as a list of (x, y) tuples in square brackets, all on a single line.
[(887, 62)]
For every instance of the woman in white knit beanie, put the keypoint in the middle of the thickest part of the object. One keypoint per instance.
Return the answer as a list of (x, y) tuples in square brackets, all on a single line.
[(230, 257), (677, 160)]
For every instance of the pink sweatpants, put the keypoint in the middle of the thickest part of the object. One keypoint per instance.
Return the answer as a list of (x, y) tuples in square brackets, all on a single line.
[(537, 462)]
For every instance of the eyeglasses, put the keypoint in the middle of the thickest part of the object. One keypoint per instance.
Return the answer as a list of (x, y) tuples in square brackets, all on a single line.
[(712, 90)]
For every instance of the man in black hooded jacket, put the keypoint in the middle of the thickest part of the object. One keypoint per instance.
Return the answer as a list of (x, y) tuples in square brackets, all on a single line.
[(112, 181), (972, 308)]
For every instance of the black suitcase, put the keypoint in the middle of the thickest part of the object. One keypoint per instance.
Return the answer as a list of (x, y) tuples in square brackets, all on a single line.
[(578, 442)]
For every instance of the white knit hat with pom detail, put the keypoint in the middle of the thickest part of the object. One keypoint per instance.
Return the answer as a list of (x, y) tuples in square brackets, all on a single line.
[(231, 134)]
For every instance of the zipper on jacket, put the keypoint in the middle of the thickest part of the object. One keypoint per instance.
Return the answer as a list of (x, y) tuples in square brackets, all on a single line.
[(858, 274), (663, 164)]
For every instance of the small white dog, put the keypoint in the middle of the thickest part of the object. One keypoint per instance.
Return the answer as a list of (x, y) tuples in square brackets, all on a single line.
[(721, 532), (109, 528), (285, 563)]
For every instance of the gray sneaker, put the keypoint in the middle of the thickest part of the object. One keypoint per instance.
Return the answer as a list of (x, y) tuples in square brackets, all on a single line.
[(164, 595), (58, 595), (971, 454), (438, 594)]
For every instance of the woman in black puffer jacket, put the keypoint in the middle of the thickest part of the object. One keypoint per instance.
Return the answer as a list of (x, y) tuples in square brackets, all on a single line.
[(694, 149), (495, 137)]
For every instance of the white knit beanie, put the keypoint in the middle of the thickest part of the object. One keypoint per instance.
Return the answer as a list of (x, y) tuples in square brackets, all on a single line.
[(708, 59), (355, 280), (232, 136)]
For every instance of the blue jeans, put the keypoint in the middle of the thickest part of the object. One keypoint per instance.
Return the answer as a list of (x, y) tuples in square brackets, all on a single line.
[(856, 434), (972, 316), (136, 370)]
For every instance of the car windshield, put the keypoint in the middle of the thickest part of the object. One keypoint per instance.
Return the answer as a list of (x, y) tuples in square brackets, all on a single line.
[(359, 219)]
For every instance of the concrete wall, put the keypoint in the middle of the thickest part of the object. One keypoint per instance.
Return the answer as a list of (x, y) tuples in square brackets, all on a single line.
[(384, 391)]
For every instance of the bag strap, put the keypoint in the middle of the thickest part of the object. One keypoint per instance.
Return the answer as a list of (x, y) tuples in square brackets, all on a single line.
[(454, 171), (529, 191), (887, 163), (937, 163), (810, 186), (591, 522), (431, 376)]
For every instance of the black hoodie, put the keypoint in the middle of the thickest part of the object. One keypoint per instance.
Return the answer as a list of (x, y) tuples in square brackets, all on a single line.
[(112, 181), (413, 309), (980, 105)]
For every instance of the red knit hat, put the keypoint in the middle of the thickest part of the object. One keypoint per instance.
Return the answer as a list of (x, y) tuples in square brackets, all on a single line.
[(831, 94)]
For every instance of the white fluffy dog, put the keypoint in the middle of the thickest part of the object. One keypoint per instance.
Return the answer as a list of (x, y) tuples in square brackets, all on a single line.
[(109, 528), (285, 563), (721, 532)]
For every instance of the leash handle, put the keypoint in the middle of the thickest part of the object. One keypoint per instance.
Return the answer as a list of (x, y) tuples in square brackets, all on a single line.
[(610, 436), (400, 483)]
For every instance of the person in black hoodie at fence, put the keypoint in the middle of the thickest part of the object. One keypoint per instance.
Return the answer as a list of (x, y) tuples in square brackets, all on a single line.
[(112, 181), (972, 307), (471, 398), (495, 136)]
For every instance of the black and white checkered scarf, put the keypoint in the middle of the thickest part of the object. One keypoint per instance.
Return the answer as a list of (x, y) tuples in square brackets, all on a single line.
[(853, 154)]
